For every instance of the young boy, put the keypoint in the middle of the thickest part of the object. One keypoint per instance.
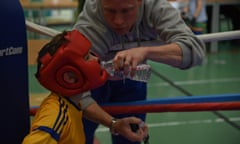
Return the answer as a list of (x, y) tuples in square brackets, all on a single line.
[(68, 70)]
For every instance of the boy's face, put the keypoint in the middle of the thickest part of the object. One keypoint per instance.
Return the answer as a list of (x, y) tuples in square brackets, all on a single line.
[(120, 15), (91, 56)]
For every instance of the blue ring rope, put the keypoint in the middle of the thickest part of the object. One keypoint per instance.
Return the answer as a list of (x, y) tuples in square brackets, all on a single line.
[(182, 99)]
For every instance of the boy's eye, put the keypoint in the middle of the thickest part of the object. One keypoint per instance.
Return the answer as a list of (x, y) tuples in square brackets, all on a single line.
[(93, 54), (90, 56), (86, 57)]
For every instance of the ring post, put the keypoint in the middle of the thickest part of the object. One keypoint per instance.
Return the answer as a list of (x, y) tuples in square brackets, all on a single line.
[(14, 107)]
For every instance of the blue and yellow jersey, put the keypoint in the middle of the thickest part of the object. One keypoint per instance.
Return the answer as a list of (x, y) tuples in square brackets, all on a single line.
[(58, 120)]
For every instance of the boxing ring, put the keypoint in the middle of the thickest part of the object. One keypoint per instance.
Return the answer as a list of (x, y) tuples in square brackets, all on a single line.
[(178, 104), (188, 103)]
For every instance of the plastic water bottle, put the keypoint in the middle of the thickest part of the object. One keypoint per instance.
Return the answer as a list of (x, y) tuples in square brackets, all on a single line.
[(142, 73)]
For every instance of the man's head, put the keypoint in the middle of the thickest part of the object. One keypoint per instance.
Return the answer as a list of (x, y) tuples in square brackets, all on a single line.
[(66, 67), (120, 15)]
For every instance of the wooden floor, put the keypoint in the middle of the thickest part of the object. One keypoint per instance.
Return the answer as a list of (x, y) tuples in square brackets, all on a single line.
[(220, 74)]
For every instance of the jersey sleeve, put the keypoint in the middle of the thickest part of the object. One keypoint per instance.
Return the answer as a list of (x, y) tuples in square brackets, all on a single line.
[(48, 122), (39, 137)]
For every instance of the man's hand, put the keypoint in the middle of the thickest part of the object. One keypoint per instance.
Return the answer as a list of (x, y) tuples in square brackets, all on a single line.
[(129, 59)]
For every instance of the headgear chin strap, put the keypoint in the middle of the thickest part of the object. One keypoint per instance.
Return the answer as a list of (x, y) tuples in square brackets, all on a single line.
[(70, 58)]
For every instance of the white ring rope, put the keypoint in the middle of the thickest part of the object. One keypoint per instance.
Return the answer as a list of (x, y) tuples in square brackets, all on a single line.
[(41, 29), (219, 36)]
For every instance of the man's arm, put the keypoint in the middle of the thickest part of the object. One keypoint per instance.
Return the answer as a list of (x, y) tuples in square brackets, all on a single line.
[(170, 54)]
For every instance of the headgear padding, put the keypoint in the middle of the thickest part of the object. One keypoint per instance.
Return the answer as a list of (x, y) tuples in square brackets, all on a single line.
[(70, 58)]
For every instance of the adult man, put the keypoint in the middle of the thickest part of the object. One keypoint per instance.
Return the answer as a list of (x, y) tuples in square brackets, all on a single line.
[(111, 24)]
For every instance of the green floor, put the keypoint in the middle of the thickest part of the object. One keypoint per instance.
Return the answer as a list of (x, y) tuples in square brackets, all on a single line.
[(220, 74)]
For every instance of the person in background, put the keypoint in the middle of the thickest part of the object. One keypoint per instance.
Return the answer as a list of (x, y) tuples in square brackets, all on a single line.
[(232, 12), (125, 31), (195, 15), (68, 70)]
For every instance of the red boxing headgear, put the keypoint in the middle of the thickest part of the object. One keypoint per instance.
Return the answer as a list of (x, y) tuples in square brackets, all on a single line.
[(70, 58)]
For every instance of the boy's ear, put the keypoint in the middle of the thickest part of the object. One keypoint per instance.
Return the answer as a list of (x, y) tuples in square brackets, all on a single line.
[(70, 77)]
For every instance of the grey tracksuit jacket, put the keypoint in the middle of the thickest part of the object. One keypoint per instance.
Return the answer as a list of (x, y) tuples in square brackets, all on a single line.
[(157, 23)]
